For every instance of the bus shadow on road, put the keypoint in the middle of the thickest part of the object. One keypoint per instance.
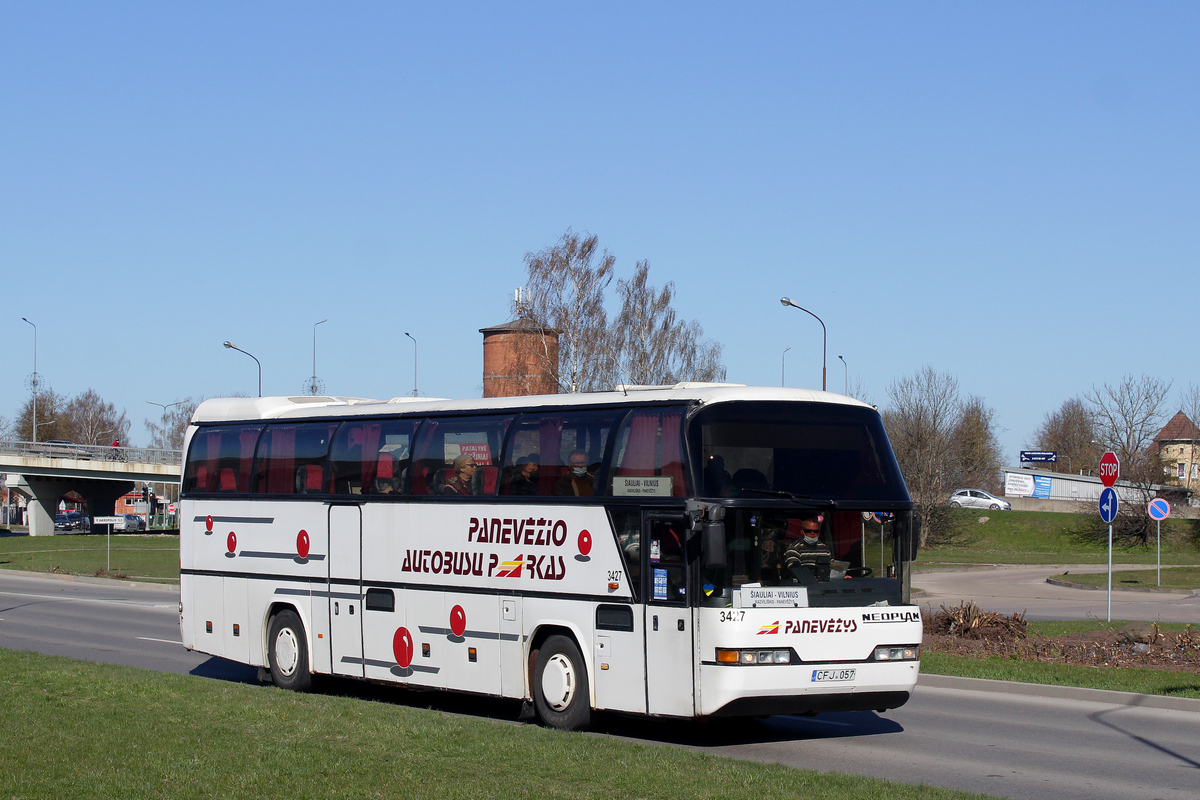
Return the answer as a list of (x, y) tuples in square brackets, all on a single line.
[(222, 670), (715, 732), (721, 731)]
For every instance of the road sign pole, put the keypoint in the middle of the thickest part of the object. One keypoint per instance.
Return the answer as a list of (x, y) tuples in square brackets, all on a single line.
[(1158, 547), (1110, 572)]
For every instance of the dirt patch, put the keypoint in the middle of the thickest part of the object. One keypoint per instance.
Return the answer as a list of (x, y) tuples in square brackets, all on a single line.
[(967, 631)]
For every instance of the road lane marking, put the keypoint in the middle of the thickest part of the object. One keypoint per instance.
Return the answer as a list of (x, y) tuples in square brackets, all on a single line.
[(60, 598), (164, 641)]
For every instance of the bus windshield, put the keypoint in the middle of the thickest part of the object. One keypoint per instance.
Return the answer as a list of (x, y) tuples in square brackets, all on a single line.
[(806, 451), (814, 497)]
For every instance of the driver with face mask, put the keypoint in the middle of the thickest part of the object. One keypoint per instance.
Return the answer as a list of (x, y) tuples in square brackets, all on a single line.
[(577, 481), (805, 550)]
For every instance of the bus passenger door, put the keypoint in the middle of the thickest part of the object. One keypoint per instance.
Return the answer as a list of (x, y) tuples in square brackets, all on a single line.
[(345, 589), (668, 624)]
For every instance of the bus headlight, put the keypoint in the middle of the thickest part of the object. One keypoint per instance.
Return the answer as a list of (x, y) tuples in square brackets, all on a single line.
[(897, 653), (754, 656)]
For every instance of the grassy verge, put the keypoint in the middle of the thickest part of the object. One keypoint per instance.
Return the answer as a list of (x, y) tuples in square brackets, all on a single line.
[(1122, 679), (80, 730), (1045, 537), (1142, 681), (140, 556), (1180, 578)]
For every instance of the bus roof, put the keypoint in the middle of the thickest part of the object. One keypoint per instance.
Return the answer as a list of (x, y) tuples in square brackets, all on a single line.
[(254, 408)]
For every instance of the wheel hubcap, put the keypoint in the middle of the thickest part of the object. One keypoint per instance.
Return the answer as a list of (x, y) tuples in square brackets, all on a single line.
[(558, 682), (286, 652)]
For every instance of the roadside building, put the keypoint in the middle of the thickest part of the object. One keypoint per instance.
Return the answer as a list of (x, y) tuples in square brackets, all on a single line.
[(1178, 446)]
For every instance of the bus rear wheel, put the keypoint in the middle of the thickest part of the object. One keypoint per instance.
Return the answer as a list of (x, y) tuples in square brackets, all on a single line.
[(560, 686), (288, 652)]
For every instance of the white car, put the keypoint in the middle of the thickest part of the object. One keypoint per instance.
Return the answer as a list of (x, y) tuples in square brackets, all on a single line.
[(977, 498)]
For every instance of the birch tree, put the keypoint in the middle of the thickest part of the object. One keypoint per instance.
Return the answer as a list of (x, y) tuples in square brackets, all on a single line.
[(655, 346), (565, 291), (646, 343)]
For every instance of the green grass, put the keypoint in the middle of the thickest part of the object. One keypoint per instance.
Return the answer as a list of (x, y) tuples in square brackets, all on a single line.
[(1047, 628), (74, 729), (1172, 578), (1045, 537), (999, 668), (142, 556)]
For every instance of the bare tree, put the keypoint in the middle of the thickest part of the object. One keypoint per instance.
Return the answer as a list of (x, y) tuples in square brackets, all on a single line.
[(920, 421), (51, 417), (975, 451), (647, 343), (1071, 432), (655, 347), (566, 284), (1128, 416), (169, 431), (90, 420)]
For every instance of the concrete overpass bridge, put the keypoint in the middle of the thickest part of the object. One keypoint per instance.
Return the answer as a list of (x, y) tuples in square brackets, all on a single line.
[(45, 471)]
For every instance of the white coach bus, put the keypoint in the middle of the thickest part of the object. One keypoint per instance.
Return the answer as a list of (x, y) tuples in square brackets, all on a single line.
[(631, 551)]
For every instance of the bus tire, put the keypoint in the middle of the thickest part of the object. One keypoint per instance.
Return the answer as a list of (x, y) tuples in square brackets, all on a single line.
[(288, 652), (560, 686)]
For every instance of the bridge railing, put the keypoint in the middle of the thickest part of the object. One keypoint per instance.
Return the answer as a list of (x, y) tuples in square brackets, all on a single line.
[(92, 452)]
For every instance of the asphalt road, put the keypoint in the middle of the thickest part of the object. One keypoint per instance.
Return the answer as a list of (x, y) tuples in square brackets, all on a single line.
[(1010, 590), (1010, 745)]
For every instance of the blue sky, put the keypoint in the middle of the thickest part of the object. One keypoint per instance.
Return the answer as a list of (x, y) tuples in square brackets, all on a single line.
[(1006, 192)]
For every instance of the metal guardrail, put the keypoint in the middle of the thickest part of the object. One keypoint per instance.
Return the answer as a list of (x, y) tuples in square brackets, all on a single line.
[(92, 452)]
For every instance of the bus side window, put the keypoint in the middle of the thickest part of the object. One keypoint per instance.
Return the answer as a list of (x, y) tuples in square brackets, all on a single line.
[(442, 440), (368, 456), (549, 439), (649, 456)]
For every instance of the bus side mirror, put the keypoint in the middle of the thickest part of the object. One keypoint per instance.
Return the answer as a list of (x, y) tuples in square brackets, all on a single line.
[(713, 544)]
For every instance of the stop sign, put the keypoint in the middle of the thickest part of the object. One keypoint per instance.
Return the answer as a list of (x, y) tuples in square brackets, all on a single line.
[(1110, 468)]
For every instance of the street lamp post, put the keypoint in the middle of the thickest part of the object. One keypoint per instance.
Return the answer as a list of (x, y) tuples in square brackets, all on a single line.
[(33, 380), (233, 346), (414, 341), (164, 407), (845, 377), (824, 334), (783, 367), (313, 387)]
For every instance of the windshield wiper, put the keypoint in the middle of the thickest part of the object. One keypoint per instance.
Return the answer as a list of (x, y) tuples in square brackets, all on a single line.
[(805, 500)]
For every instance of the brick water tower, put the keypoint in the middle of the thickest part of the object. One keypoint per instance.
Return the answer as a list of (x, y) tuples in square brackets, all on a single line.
[(519, 358)]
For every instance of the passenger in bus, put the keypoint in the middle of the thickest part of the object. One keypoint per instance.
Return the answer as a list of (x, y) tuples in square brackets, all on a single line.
[(525, 479), (805, 550), (717, 479), (577, 481), (772, 546), (461, 481)]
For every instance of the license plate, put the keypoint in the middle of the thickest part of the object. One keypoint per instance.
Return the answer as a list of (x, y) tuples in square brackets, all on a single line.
[(820, 675)]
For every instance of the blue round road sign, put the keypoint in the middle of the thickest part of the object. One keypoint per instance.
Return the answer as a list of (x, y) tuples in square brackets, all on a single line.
[(1108, 505), (1159, 509)]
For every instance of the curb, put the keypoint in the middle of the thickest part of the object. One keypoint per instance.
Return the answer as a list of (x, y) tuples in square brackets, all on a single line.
[(89, 579), (1061, 692), (1151, 589)]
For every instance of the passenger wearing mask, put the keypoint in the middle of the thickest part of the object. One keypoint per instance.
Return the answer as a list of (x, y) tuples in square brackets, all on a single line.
[(805, 549), (577, 481)]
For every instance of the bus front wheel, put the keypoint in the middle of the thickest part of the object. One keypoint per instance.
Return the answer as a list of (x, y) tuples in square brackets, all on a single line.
[(560, 685), (289, 652)]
